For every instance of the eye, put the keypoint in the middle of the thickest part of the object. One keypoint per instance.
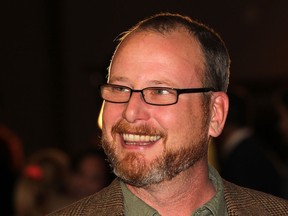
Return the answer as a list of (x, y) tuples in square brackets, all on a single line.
[(161, 91), (120, 89)]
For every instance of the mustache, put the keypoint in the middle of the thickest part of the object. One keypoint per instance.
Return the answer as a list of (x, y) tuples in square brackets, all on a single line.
[(123, 126)]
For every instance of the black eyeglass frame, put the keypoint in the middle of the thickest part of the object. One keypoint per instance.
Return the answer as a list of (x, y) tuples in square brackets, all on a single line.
[(178, 91)]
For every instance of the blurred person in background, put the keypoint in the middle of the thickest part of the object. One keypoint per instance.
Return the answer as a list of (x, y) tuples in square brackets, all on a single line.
[(243, 158), (42, 186), (280, 101), (90, 172), (11, 159), (281, 105)]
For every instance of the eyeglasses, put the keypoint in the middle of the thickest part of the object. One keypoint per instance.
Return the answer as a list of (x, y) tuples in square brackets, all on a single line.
[(159, 96)]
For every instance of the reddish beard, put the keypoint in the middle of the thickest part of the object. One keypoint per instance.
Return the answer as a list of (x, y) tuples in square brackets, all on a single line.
[(135, 170)]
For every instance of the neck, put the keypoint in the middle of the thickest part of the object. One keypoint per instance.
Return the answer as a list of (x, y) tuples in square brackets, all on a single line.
[(180, 196)]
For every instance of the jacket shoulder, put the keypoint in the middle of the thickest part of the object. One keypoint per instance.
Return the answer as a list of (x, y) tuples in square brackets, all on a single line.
[(245, 201), (108, 201)]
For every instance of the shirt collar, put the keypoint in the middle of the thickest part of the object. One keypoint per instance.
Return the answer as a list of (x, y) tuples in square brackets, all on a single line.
[(215, 206), (135, 206)]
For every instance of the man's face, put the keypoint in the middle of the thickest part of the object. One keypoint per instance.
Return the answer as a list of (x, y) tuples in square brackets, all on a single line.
[(148, 144)]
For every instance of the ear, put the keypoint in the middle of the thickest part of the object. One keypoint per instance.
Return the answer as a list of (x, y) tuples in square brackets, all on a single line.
[(219, 105)]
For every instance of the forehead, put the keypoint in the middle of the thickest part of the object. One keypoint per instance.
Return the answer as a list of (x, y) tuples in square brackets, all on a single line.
[(159, 56)]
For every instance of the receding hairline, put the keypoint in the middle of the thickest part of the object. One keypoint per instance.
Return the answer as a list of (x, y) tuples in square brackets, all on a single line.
[(215, 54), (183, 23), (175, 28)]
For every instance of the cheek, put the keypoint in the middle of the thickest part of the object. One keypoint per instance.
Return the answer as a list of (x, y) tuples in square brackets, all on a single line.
[(178, 121), (184, 124), (111, 114), (182, 115)]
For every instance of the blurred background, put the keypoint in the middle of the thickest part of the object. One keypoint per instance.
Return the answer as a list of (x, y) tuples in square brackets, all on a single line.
[(55, 53)]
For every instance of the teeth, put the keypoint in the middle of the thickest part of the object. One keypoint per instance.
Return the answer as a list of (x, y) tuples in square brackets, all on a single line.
[(140, 138)]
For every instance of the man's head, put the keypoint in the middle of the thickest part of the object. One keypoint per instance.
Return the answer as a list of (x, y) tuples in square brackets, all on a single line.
[(148, 138), (216, 59)]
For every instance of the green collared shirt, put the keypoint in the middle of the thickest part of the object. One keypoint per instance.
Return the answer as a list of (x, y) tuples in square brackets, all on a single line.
[(214, 207)]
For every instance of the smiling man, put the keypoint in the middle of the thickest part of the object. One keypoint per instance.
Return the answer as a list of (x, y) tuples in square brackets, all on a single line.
[(164, 100)]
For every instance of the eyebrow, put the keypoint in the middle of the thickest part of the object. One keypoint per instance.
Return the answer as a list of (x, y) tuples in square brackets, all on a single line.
[(118, 78), (161, 82), (165, 82)]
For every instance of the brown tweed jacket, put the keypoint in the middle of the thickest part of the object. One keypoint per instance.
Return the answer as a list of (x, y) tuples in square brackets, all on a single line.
[(240, 201)]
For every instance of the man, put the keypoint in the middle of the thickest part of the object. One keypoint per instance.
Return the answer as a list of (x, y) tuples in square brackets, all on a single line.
[(164, 100)]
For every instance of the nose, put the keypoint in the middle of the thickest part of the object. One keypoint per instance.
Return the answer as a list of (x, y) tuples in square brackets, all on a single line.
[(136, 108)]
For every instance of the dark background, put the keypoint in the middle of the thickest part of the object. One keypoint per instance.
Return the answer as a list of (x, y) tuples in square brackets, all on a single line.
[(55, 53)]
